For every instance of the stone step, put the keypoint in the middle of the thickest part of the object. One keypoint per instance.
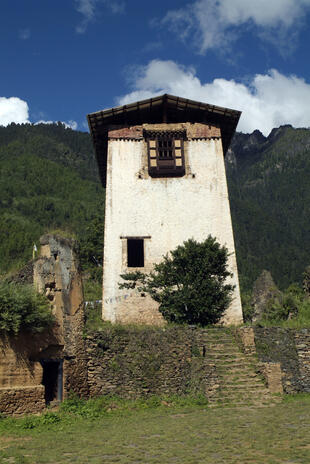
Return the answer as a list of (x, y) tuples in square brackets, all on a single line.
[(240, 384), (228, 358), (226, 374), (244, 384), (224, 352), (241, 376), (216, 341), (237, 392), (237, 366), (215, 336), (248, 391), (237, 373), (245, 405), (219, 346), (253, 384), (229, 362), (244, 399)]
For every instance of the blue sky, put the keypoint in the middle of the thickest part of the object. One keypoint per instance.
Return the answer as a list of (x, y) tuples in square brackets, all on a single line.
[(61, 59)]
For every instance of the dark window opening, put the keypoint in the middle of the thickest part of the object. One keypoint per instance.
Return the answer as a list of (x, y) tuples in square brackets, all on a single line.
[(135, 252), (165, 149), (52, 380)]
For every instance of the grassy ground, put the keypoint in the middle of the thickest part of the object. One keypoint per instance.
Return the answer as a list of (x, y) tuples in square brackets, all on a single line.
[(188, 434)]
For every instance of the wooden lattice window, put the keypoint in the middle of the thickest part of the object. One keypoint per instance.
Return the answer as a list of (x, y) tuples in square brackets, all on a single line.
[(166, 154)]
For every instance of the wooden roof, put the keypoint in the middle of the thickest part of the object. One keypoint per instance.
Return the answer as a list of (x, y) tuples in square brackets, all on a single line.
[(162, 109)]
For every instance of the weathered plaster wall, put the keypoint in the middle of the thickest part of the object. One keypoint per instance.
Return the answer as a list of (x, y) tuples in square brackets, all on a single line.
[(168, 211)]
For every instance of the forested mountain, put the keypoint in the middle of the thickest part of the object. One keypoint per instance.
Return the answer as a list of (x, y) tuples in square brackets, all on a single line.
[(49, 180), (269, 187)]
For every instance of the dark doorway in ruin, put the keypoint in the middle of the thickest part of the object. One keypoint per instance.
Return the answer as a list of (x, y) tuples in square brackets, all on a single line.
[(52, 379)]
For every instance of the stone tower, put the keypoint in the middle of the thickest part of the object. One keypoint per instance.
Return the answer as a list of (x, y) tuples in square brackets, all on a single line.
[(161, 161)]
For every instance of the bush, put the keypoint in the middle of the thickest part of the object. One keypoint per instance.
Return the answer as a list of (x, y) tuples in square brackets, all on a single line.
[(189, 284), (291, 309), (22, 308)]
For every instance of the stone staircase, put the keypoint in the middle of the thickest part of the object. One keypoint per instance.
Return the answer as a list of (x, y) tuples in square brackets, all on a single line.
[(238, 383)]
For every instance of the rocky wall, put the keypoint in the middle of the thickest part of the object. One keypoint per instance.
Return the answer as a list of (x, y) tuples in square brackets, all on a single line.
[(22, 400), (132, 362), (283, 353), (57, 274), (21, 372)]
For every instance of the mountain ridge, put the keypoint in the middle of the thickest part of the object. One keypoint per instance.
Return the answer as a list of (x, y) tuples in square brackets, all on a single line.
[(49, 179)]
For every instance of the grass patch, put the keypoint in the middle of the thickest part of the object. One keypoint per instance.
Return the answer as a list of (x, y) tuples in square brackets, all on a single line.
[(75, 408), (93, 317), (92, 290), (300, 322), (158, 433), (297, 397)]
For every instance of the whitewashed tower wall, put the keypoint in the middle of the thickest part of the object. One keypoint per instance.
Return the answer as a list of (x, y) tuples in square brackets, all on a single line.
[(163, 211)]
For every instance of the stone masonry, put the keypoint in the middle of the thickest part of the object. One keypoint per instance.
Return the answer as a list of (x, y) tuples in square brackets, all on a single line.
[(56, 274)]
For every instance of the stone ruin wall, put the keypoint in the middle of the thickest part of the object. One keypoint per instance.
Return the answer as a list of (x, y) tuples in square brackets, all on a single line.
[(134, 362), (125, 360), (56, 274), (282, 355)]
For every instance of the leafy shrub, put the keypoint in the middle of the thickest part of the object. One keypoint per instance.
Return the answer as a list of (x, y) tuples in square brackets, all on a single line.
[(286, 306), (22, 308), (189, 285), (292, 309)]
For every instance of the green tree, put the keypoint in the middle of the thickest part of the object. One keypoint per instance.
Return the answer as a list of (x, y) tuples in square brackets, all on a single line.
[(22, 308), (91, 247), (189, 284)]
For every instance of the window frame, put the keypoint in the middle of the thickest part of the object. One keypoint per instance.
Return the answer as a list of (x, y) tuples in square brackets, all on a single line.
[(170, 165)]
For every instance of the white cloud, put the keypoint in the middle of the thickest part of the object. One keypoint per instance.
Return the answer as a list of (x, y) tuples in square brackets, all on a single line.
[(87, 8), (216, 23), (24, 34), (267, 101), (69, 125), (13, 109), (115, 6)]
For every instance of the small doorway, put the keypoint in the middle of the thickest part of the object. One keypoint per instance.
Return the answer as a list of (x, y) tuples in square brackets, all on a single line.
[(52, 379)]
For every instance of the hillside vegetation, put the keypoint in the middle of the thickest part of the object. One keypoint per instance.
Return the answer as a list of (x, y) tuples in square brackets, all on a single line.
[(49, 180), (269, 189)]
